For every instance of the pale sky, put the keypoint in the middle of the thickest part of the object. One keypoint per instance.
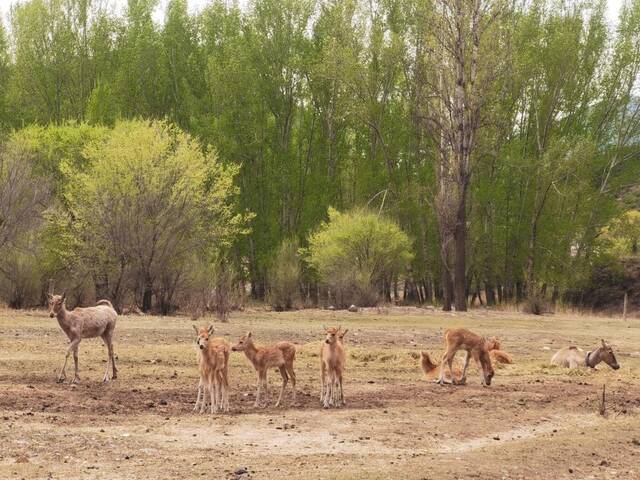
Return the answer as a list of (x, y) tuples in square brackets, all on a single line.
[(613, 7)]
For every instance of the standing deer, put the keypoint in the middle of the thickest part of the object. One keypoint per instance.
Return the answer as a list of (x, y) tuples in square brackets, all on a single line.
[(89, 322), (280, 355), (214, 370), (574, 357), (332, 363), (476, 346)]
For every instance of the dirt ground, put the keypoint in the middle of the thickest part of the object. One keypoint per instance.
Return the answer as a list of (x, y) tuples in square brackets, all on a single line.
[(534, 422)]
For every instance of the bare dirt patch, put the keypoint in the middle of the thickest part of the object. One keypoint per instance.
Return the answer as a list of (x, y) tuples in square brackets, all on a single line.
[(535, 421)]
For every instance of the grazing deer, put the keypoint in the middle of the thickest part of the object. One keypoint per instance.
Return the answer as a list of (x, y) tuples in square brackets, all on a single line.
[(430, 368), (332, 363), (475, 345), (89, 322), (214, 369), (280, 355), (574, 357)]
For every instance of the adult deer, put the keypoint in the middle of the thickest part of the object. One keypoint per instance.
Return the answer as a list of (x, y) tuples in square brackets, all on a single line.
[(89, 322), (574, 357), (280, 355)]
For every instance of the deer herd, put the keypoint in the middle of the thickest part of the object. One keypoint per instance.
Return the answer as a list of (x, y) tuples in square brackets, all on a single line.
[(214, 352)]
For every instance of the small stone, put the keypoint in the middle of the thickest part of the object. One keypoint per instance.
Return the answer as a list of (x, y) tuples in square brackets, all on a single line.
[(496, 438), (241, 471), (162, 402), (353, 309)]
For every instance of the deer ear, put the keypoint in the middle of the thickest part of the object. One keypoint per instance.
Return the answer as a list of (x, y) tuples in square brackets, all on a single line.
[(344, 333), (49, 296), (324, 327), (248, 334), (196, 329), (603, 344), (211, 329), (64, 296)]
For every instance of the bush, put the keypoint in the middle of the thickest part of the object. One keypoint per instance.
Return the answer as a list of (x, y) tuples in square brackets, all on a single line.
[(284, 277), (354, 253), (606, 283)]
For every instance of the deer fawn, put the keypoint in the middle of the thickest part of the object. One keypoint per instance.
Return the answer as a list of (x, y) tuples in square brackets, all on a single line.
[(332, 362), (280, 355), (476, 346), (214, 369)]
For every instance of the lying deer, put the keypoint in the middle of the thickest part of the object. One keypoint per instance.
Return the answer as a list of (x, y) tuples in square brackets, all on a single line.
[(475, 345), (332, 363), (574, 357), (497, 355), (214, 370), (89, 322), (280, 355), (430, 368)]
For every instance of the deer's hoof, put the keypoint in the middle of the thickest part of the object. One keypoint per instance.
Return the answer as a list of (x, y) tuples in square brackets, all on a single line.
[(60, 380)]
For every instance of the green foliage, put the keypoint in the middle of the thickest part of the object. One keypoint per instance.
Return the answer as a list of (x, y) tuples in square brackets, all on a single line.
[(357, 251), (149, 199), (622, 236), (285, 276), (102, 108)]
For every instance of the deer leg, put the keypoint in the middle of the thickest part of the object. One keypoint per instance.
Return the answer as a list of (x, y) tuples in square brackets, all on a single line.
[(463, 377), (285, 379), (199, 397), (322, 379), (224, 393), (292, 376), (327, 390), (212, 394), (76, 377), (63, 375), (259, 389), (445, 360), (107, 342), (342, 402)]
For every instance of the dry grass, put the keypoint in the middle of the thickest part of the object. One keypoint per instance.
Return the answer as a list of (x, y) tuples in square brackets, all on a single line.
[(535, 421)]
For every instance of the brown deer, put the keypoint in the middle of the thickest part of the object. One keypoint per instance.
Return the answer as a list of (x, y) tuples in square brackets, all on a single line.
[(574, 357), (332, 363), (500, 356), (89, 322), (280, 355), (475, 346), (430, 368), (214, 370)]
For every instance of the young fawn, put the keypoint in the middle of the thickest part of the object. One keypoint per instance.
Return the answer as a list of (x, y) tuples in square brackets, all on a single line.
[(214, 369), (332, 363), (476, 346), (280, 355), (430, 368)]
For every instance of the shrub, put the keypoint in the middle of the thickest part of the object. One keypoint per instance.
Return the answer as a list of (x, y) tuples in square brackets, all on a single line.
[(355, 252), (284, 277)]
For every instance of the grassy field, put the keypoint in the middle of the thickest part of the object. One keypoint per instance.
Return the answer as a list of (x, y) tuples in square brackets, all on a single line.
[(534, 422)]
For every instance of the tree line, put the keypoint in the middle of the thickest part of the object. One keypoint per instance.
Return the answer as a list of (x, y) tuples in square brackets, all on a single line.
[(501, 137)]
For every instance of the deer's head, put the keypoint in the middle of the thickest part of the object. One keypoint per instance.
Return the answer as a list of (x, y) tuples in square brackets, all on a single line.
[(243, 343), (332, 334), (487, 368), (493, 343), (427, 363), (56, 303), (202, 336), (607, 356)]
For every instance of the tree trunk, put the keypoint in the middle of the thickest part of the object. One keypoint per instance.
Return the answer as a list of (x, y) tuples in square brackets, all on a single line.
[(490, 293), (459, 276), (147, 298), (447, 290)]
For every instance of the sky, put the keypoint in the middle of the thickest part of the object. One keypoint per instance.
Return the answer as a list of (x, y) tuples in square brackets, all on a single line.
[(613, 7)]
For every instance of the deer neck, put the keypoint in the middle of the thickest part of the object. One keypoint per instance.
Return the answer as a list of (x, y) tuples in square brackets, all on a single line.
[(63, 316), (592, 358), (250, 351)]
